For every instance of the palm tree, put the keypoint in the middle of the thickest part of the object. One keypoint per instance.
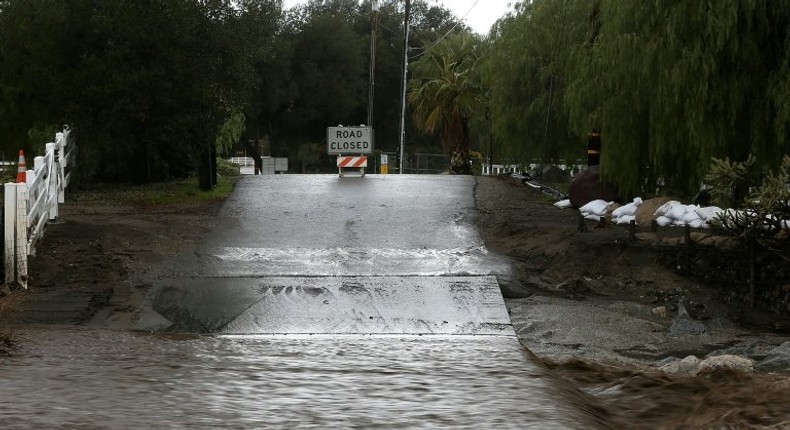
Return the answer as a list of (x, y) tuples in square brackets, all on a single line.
[(445, 93)]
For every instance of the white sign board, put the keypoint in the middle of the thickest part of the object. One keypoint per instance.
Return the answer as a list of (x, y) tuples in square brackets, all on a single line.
[(281, 164), (349, 140)]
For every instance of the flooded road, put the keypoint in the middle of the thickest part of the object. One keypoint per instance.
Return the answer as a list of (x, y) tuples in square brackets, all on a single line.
[(79, 378), (319, 302)]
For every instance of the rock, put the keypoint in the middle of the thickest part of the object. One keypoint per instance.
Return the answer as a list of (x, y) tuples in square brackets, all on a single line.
[(774, 364), (783, 349), (686, 366), (554, 174), (755, 350), (644, 213), (660, 311), (5, 290), (684, 325), (776, 359), (733, 362), (587, 186), (576, 286)]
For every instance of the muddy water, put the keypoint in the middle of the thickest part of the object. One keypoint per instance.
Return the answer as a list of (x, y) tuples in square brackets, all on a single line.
[(78, 378), (639, 399)]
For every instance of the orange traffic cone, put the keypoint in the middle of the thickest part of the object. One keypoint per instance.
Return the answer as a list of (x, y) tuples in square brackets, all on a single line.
[(21, 176)]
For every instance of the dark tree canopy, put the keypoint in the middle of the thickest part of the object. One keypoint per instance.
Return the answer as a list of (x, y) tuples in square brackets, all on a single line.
[(669, 84)]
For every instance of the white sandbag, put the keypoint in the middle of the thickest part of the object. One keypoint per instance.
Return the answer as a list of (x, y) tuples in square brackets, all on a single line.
[(595, 207), (625, 219), (690, 217), (697, 223), (593, 217), (708, 212), (678, 223), (629, 209), (663, 221), (663, 209), (785, 224), (563, 204), (637, 201), (677, 212)]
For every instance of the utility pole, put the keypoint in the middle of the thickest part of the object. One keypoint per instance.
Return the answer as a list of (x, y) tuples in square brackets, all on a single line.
[(374, 21), (405, 76)]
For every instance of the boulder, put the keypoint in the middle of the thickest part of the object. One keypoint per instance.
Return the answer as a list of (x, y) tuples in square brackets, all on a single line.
[(645, 213), (733, 362), (588, 186), (777, 359), (687, 366), (554, 174)]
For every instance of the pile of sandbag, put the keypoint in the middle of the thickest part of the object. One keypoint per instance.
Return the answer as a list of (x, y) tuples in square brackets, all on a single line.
[(596, 209), (674, 213), (626, 213), (670, 213)]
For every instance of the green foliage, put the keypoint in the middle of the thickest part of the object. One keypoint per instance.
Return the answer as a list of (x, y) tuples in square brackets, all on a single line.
[(773, 196), (670, 85), (527, 74), (729, 180), (149, 85), (445, 93), (181, 191), (146, 85), (229, 134), (765, 210), (226, 168)]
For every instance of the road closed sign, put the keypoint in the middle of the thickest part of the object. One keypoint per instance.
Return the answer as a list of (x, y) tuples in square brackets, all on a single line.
[(349, 140)]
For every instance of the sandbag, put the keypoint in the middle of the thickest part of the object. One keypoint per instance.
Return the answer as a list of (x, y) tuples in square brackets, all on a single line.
[(595, 207)]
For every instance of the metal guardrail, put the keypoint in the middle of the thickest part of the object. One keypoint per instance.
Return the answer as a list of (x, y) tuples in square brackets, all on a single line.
[(31, 204)]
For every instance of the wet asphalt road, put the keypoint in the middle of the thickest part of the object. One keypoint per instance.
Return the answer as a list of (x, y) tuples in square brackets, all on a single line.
[(323, 254)]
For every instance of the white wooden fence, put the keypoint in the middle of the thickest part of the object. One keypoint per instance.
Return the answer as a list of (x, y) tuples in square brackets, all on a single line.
[(30, 205)]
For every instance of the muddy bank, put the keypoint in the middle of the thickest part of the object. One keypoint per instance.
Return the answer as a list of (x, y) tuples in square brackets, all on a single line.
[(598, 296)]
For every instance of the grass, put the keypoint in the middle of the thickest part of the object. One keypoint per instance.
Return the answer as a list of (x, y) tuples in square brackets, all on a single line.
[(160, 193)]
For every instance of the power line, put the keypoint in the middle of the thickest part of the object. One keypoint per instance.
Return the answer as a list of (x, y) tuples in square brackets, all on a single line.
[(424, 50)]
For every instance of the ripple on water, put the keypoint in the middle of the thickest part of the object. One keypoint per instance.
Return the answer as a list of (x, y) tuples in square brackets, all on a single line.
[(108, 379)]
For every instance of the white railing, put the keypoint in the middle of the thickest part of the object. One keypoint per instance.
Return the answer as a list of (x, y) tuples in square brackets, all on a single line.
[(31, 204)]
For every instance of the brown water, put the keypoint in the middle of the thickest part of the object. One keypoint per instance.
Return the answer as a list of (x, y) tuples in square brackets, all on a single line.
[(79, 378), (633, 399), (97, 379)]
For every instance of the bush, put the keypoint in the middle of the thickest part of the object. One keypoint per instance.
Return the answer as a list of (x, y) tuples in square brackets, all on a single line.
[(226, 168)]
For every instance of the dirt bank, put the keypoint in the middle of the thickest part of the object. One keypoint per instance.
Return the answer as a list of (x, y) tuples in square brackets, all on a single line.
[(598, 296)]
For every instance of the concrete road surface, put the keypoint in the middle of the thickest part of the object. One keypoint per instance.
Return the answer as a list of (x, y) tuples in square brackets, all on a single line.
[(324, 254)]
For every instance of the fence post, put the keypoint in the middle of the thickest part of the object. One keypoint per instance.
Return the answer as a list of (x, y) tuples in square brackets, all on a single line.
[(21, 235), (9, 221), (60, 165), (52, 181)]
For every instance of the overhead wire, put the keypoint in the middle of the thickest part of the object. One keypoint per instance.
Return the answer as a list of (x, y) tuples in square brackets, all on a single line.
[(424, 50)]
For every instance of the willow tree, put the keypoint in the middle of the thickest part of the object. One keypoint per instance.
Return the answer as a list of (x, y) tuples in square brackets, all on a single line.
[(672, 84), (445, 94), (525, 74)]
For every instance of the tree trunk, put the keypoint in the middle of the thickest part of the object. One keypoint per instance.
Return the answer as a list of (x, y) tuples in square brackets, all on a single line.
[(459, 163), (253, 150)]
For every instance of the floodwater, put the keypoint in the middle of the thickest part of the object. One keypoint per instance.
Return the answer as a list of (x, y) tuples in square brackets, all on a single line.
[(81, 378)]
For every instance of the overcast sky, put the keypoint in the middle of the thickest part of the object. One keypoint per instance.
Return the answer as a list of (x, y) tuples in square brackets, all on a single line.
[(480, 14)]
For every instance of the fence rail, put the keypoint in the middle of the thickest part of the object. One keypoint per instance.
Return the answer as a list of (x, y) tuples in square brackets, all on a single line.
[(31, 204)]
